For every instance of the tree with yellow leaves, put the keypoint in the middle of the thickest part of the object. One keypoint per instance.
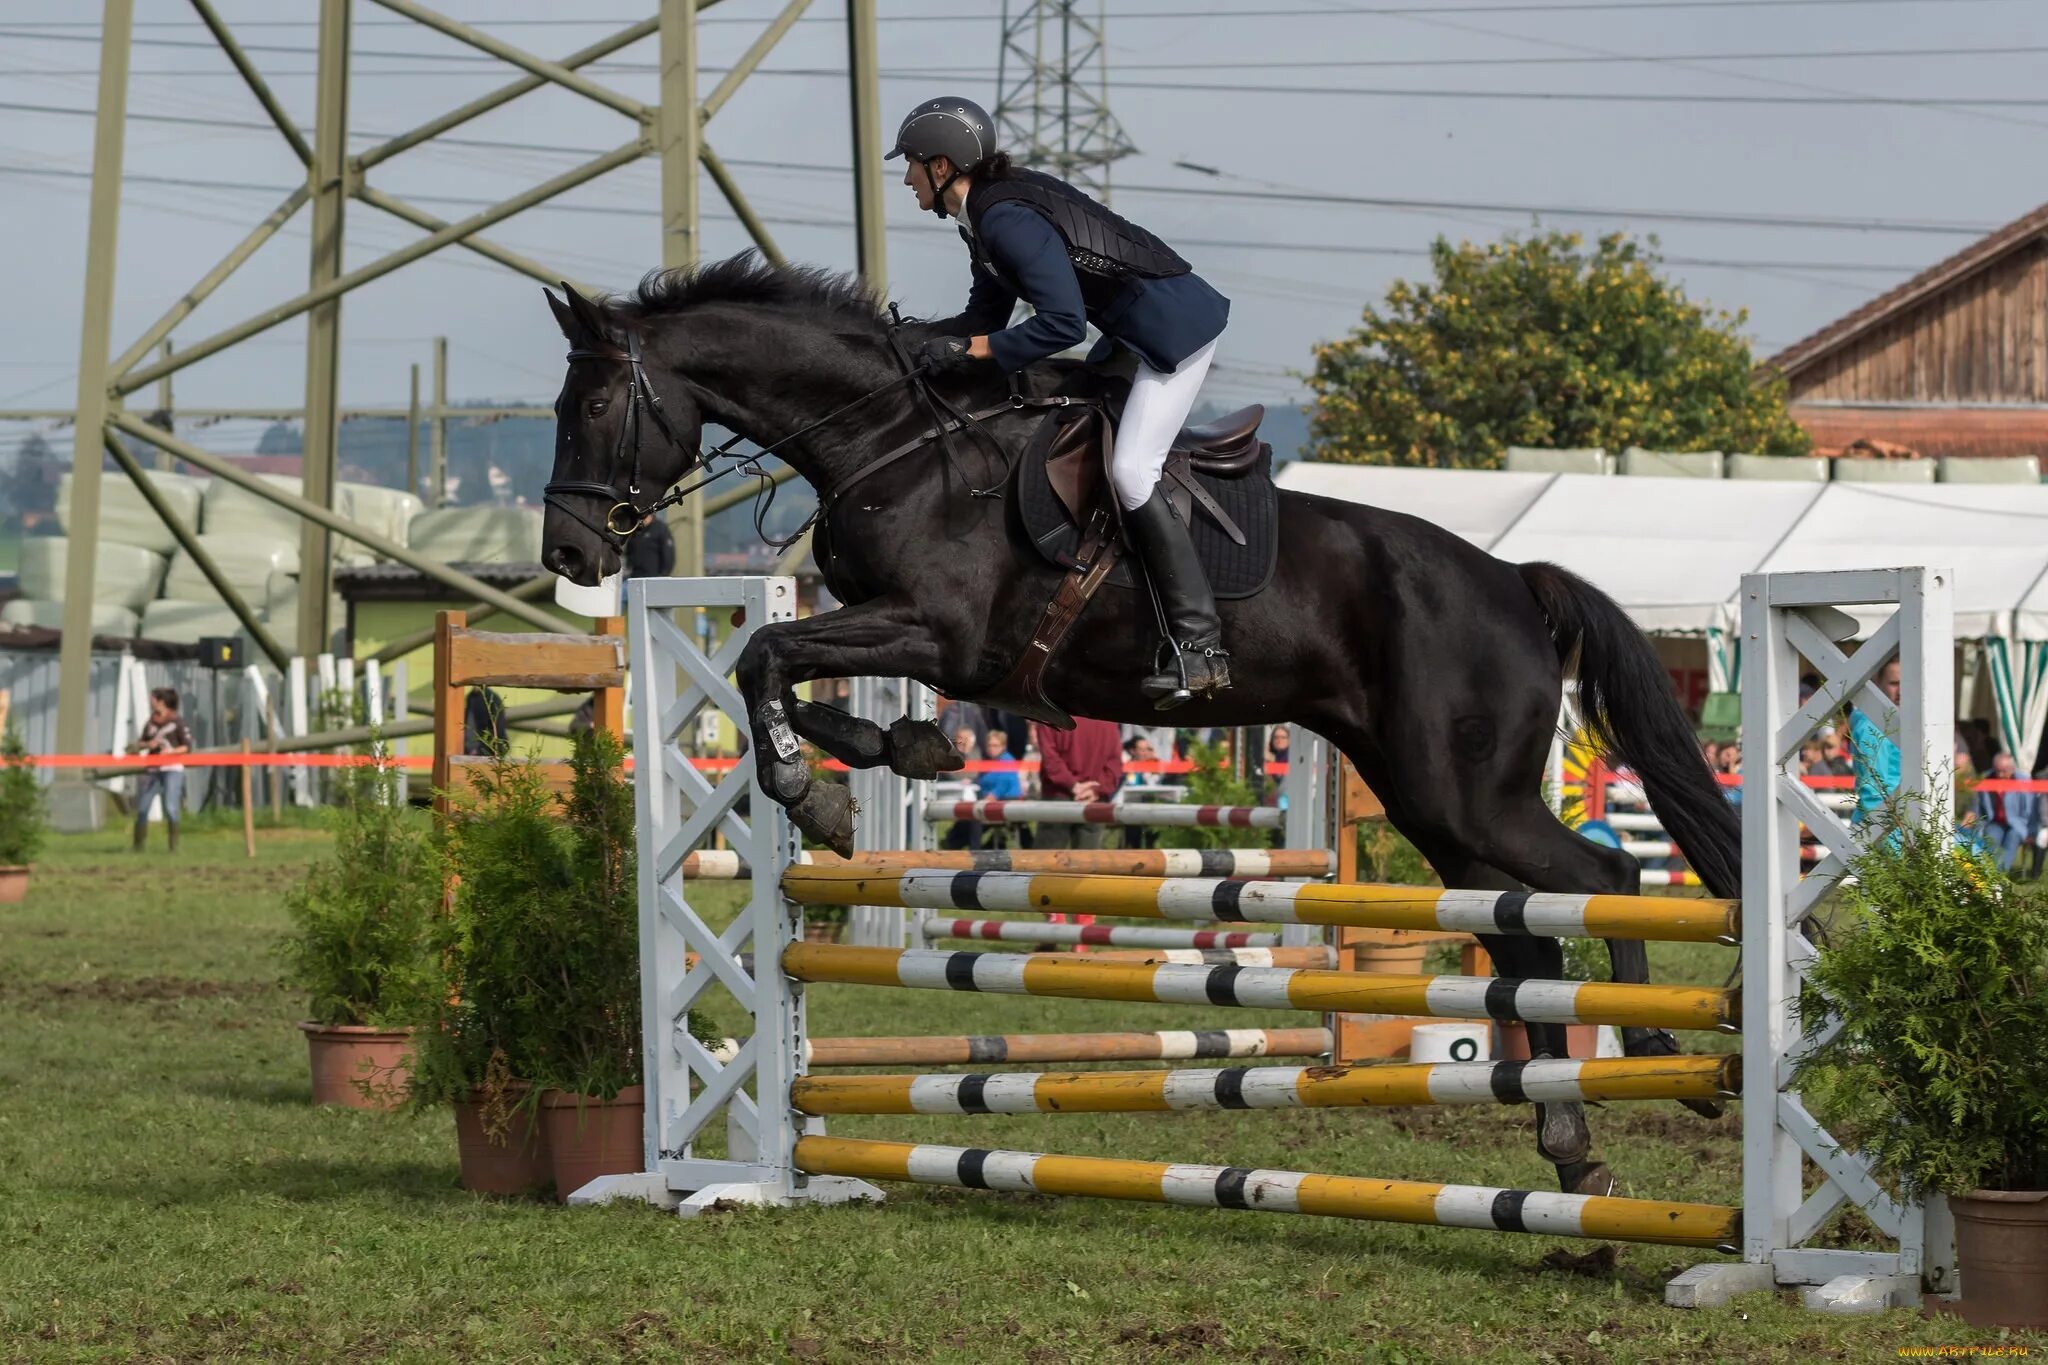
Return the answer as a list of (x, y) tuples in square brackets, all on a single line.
[(1537, 341)]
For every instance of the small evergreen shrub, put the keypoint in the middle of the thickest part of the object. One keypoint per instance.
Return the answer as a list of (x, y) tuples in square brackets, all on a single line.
[(541, 951), (23, 823), (1939, 975), (361, 916)]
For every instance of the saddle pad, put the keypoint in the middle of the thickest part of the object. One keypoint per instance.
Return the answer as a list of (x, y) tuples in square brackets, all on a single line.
[(1234, 570)]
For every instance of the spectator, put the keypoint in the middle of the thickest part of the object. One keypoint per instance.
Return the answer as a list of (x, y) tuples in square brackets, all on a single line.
[(1279, 747), (1876, 754), (2006, 819), (997, 784), (1710, 749), (1081, 764), (651, 550), (1833, 762), (965, 833), (483, 722), (1138, 749), (1730, 760), (165, 732), (953, 716)]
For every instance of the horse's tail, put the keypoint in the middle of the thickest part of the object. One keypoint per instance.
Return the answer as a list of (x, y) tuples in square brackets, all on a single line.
[(1626, 701)]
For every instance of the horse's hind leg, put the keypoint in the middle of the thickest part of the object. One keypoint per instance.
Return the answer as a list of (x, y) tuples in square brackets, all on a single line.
[(1561, 1132), (1530, 845)]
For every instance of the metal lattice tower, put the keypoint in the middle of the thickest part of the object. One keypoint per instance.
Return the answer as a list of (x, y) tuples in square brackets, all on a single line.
[(1052, 93)]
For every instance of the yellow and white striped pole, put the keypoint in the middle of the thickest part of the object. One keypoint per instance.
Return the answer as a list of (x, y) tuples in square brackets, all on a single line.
[(1541, 914), (1275, 1087), (1443, 997), (1236, 1187)]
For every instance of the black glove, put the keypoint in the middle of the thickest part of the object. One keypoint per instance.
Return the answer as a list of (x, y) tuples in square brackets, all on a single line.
[(943, 355)]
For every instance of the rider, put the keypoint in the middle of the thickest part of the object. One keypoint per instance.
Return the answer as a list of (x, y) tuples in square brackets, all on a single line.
[(1036, 238)]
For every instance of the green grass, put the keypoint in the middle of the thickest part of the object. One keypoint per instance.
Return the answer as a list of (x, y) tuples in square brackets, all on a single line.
[(170, 1194)]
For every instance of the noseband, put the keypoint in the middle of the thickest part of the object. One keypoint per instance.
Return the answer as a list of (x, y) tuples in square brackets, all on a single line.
[(640, 396)]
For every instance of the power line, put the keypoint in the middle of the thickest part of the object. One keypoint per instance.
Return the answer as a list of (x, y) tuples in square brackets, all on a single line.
[(1600, 96), (1235, 244), (490, 67), (1751, 220), (954, 16), (1284, 196)]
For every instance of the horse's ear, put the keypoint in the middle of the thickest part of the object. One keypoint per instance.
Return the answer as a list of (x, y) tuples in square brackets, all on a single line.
[(589, 314), (565, 317)]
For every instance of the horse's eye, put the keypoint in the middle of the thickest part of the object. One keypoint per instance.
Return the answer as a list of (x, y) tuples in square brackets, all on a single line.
[(596, 406)]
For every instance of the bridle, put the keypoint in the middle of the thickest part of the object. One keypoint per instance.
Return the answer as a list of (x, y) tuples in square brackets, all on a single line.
[(640, 395)]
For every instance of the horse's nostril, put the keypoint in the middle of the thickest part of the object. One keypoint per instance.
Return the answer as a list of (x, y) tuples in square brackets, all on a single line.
[(565, 561)]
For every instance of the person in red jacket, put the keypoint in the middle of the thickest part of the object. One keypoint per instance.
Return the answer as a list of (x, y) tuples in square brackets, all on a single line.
[(1085, 763)]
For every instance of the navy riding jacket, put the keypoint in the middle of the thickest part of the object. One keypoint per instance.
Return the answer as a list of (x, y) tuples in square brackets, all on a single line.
[(1163, 320)]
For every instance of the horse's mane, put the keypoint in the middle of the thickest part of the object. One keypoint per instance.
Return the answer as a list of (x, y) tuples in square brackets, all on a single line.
[(749, 278)]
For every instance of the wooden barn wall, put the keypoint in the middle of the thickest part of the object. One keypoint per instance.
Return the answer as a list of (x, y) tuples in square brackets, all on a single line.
[(1982, 340)]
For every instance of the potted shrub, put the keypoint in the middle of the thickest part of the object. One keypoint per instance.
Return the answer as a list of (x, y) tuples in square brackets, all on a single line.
[(540, 1033), (21, 817), (1938, 1074), (358, 943)]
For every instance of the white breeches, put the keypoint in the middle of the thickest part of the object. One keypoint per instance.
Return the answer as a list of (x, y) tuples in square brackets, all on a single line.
[(1158, 408)]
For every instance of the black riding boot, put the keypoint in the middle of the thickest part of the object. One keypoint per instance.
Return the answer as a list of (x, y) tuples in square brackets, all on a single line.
[(1203, 667)]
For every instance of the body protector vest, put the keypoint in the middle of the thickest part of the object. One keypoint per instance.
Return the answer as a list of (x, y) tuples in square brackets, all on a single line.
[(1106, 249)]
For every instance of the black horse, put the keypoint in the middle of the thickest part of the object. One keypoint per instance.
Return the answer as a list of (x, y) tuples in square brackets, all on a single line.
[(1436, 668)]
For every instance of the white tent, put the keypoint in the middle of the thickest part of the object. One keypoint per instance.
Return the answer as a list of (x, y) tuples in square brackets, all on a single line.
[(1673, 551)]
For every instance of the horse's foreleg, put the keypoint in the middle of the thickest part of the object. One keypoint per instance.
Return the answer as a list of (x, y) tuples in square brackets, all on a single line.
[(875, 639), (914, 748)]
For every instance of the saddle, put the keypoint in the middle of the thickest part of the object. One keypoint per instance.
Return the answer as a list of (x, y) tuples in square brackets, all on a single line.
[(1218, 478)]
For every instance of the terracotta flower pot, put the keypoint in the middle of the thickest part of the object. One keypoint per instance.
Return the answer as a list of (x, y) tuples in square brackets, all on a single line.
[(2002, 1250), (357, 1066), (588, 1137), (1512, 1041), (13, 884), (517, 1165)]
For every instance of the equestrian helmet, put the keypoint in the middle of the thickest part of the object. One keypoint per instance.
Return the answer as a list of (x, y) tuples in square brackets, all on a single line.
[(950, 126)]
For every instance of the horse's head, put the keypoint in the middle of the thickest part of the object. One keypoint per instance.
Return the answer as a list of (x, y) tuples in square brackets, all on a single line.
[(621, 442)]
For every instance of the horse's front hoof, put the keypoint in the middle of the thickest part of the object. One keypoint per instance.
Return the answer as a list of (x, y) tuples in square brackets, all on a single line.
[(919, 750), (1561, 1133), (1593, 1178), (825, 813), (1657, 1042)]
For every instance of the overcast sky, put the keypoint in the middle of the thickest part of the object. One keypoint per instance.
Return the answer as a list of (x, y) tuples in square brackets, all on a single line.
[(1703, 109)]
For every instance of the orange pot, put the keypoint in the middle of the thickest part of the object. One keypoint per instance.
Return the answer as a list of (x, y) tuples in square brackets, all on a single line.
[(588, 1137), (359, 1067), (13, 884), (1511, 1041), (518, 1165)]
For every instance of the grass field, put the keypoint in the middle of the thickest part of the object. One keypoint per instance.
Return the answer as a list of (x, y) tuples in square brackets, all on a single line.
[(171, 1195)]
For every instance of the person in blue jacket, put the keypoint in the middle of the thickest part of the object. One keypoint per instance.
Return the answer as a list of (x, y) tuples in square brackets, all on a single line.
[(1033, 237)]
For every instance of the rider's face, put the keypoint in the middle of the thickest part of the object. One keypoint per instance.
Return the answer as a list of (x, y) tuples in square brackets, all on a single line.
[(923, 177)]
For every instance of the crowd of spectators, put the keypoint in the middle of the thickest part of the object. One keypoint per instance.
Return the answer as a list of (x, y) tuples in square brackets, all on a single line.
[(2010, 826)]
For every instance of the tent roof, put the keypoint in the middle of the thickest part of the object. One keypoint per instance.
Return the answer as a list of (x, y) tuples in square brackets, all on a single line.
[(1673, 551)]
